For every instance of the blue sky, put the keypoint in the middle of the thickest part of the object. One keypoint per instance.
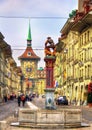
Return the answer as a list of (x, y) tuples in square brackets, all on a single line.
[(15, 29)]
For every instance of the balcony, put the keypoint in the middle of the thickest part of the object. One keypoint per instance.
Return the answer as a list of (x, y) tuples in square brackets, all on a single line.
[(70, 78), (64, 83), (87, 60), (81, 63), (81, 79), (6, 82), (75, 61), (87, 77), (64, 58), (75, 80), (70, 59)]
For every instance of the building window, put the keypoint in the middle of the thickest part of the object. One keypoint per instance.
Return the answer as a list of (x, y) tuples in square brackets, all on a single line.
[(88, 35), (85, 38), (88, 70), (85, 71), (82, 40)]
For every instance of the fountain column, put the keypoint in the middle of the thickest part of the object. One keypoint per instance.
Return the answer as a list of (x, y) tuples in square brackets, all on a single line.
[(49, 63)]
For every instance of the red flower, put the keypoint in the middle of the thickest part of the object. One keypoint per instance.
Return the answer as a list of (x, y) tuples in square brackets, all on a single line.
[(90, 87)]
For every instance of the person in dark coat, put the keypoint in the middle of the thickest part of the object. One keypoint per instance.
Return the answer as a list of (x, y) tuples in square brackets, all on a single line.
[(19, 100), (5, 98), (23, 100)]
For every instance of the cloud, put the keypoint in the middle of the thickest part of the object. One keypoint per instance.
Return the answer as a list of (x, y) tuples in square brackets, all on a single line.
[(15, 29), (36, 7)]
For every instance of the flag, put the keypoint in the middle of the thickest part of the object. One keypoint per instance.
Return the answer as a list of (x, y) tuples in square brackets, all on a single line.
[(56, 84)]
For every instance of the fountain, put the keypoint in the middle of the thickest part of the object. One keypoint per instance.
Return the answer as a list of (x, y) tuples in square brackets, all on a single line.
[(50, 116), (50, 51)]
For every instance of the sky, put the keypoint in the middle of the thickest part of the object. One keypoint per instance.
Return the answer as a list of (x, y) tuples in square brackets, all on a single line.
[(47, 17)]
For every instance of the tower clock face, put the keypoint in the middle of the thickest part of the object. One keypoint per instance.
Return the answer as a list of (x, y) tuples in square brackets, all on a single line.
[(29, 68)]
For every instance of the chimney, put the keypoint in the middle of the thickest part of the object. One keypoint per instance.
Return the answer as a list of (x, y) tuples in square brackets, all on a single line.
[(80, 5)]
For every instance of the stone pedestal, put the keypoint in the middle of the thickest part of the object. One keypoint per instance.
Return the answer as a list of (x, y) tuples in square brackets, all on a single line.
[(49, 102)]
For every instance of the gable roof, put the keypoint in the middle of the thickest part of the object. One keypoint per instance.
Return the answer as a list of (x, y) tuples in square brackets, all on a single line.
[(29, 54)]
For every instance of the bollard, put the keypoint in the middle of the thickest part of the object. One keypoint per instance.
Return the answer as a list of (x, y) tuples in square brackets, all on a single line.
[(16, 113), (3, 125)]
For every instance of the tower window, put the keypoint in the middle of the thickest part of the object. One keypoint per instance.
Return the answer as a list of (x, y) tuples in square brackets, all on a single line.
[(29, 53)]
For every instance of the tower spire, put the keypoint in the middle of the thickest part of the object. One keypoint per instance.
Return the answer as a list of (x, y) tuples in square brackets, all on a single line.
[(29, 38)]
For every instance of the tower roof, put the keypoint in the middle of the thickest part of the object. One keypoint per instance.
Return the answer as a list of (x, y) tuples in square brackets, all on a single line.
[(29, 38), (29, 54)]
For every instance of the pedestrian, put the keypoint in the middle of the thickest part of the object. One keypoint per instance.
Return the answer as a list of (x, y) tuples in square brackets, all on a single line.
[(23, 99), (8, 97), (19, 100), (27, 97), (68, 98), (5, 98)]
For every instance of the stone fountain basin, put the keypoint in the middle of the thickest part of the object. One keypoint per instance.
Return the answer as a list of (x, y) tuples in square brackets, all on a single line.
[(34, 116)]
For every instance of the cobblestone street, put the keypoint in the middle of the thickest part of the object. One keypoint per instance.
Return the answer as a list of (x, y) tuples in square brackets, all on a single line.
[(7, 113), (8, 109)]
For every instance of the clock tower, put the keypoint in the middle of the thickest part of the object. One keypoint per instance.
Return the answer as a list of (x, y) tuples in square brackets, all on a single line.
[(29, 65)]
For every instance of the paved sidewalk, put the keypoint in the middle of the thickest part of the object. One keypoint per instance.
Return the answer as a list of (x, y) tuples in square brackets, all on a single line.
[(14, 119), (11, 119), (19, 128)]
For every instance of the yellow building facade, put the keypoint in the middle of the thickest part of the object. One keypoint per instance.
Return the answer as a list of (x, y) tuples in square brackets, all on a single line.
[(74, 60), (9, 80), (41, 83)]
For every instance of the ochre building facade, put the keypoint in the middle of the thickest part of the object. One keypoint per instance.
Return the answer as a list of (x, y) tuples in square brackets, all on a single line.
[(73, 69)]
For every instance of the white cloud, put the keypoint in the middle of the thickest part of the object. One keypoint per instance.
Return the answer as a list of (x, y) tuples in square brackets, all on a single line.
[(36, 7), (15, 30)]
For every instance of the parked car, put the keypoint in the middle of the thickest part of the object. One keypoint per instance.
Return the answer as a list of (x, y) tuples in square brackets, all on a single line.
[(62, 100)]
